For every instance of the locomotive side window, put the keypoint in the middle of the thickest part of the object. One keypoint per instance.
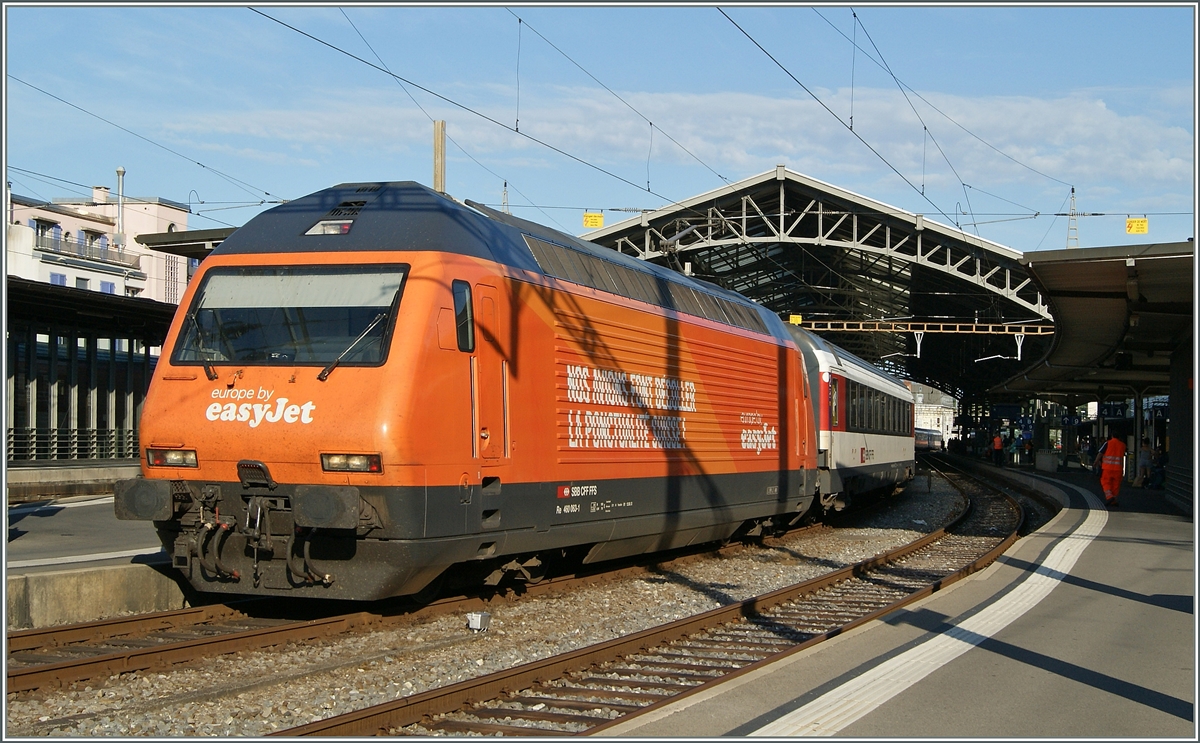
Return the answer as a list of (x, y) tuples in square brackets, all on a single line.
[(464, 320), (292, 315), (833, 402)]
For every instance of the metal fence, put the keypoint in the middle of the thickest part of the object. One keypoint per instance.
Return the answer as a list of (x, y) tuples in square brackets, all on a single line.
[(70, 443)]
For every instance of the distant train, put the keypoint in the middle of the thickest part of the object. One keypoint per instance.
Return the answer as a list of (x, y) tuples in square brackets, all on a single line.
[(928, 439), (369, 385)]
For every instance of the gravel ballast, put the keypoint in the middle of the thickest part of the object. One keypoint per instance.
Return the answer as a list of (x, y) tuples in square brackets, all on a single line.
[(258, 692)]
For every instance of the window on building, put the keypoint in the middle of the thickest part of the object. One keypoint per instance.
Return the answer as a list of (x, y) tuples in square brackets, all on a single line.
[(108, 287), (58, 279), (81, 283)]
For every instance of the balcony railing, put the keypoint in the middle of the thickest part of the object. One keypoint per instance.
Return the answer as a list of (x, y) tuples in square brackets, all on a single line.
[(82, 250)]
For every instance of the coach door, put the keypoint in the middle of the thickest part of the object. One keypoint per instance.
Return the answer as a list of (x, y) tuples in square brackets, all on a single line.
[(490, 377)]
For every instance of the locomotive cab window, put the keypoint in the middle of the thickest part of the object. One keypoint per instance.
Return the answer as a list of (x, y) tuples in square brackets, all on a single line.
[(292, 315), (464, 320)]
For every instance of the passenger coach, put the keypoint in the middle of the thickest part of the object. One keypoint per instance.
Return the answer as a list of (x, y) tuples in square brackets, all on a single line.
[(865, 422)]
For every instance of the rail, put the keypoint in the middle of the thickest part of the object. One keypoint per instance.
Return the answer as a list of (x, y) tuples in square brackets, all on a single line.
[(55, 656), (589, 690)]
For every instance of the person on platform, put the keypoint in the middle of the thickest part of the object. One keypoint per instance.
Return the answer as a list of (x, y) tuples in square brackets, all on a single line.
[(1144, 462), (1110, 460), (1158, 472), (998, 450)]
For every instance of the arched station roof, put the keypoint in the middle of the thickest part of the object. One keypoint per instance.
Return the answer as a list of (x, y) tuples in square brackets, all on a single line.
[(866, 275)]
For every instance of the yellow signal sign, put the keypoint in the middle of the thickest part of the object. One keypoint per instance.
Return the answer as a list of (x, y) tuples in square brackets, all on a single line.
[(1137, 226), (592, 220)]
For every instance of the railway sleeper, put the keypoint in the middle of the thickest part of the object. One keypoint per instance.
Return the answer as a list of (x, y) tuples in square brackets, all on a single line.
[(636, 683), (724, 656), (728, 664), (653, 673), (637, 696), (501, 712), (577, 704), (755, 637), (460, 726)]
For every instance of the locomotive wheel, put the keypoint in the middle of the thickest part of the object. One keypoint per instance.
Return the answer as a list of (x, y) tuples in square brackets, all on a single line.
[(430, 592)]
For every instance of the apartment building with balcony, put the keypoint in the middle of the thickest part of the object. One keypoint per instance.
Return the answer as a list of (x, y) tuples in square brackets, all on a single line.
[(87, 309), (90, 244)]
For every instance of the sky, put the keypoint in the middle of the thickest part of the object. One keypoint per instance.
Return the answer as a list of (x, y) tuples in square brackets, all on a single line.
[(981, 117)]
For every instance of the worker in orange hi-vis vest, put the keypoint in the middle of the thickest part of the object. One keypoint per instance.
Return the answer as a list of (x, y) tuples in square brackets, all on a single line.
[(1111, 460)]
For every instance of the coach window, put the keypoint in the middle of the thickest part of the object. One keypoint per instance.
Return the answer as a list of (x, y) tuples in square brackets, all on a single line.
[(464, 321)]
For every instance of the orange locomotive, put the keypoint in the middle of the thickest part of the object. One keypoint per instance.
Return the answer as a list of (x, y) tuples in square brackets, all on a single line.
[(373, 383)]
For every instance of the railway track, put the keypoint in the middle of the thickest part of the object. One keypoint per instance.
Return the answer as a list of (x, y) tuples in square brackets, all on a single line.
[(55, 656), (1039, 507), (588, 690)]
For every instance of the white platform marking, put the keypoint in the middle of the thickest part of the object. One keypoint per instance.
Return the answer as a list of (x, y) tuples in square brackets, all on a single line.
[(835, 710), (83, 558), (47, 506)]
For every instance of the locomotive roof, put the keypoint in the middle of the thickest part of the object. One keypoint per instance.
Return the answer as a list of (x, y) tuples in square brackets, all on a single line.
[(385, 216), (407, 216)]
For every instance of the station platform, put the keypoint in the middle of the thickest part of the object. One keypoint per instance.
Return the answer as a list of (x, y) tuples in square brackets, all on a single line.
[(70, 560), (1085, 628)]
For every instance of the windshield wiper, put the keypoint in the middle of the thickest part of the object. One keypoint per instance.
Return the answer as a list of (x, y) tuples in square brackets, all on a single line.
[(209, 370), (325, 372)]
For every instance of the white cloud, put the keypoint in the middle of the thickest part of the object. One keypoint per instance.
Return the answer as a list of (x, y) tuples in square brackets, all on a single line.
[(1077, 138)]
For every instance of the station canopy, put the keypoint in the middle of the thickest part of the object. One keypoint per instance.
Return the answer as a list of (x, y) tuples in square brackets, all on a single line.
[(922, 299), (1121, 312)]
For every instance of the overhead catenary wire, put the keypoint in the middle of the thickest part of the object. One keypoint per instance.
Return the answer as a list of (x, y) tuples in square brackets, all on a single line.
[(619, 98), (1052, 223), (831, 112), (853, 59), (430, 117), (235, 181), (485, 117), (53, 180), (938, 110), (927, 134), (517, 124)]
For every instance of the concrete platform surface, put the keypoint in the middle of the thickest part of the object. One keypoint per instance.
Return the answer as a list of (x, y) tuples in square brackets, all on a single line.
[(1084, 629), (70, 560), (57, 478)]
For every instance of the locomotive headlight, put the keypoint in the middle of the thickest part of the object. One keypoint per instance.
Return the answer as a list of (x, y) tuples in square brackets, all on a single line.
[(171, 457), (351, 463)]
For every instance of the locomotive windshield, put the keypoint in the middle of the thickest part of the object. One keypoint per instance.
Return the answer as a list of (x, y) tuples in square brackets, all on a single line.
[(291, 315)]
